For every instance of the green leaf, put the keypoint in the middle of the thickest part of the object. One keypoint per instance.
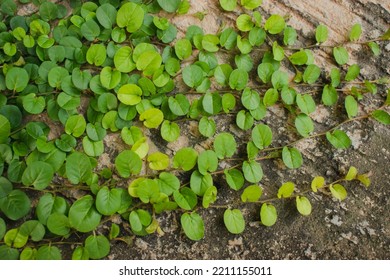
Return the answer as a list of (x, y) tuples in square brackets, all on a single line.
[(207, 126), (7, 253), (228, 102), (317, 183), (306, 103), (108, 201), (329, 95), (123, 60), (106, 15), (251, 193), (311, 74), (149, 62), (298, 58), (193, 225), (250, 99), (289, 36), (244, 22), (33, 104), (33, 229), (274, 24), (128, 163), (225, 145), (381, 116), (234, 178), (321, 33), (271, 96), (158, 161), (193, 75), (3, 228), (262, 136), (353, 72), (277, 51), (199, 183), (96, 54), (78, 168), (207, 161), (48, 205), (15, 205), (179, 104), (131, 16), (183, 49), (335, 77), (303, 205), (170, 131), (364, 179), (339, 139), (292, 158), (244, 120), (374, 48), (48, 252), (16, 79), (212, 103), (355, 33), (89, 29), (222, 73), (168, 183), (286, 190), (228, 5), (185, 158), (268, 214), (58, 224), (352, 173), (185, 198), (38, 174), (338, 191), (251, 4), (265, 71), (170, 6), (351, 106), (238, 79), (340, 55), (97, 246), (48, 11), (13, 238), (304, 125), (234, 221), (83, 215), (210, 42), (5, 129), (252, 170), (130, 94), (152, 118), (75, 125), (210, 196)]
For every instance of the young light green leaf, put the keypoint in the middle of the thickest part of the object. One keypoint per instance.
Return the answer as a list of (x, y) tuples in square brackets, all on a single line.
[(286, 190), (268, 214), (338, 191), (303, 205), (210, 196), (185, 158), (352, 173), (131, 16), (298, 58), (352, 73), (228, 5), (158, 161), (251, 193), (152, 118), (170, 131), (274, 24), (244, 22), (317, 183)]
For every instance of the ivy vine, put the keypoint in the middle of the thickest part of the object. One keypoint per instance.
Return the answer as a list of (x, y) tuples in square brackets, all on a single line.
[(75, 74)]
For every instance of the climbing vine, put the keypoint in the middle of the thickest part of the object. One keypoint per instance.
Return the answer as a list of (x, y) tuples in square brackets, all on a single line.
[(76, 74)]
